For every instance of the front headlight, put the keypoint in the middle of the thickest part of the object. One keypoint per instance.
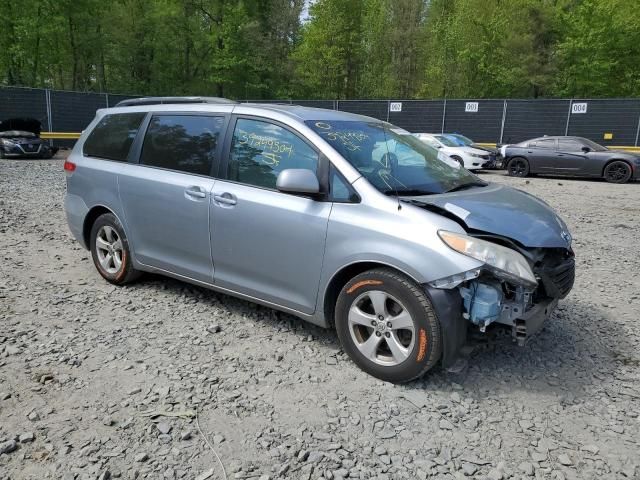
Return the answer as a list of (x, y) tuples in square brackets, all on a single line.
[(504, 261), (476, 155), (7, 142)]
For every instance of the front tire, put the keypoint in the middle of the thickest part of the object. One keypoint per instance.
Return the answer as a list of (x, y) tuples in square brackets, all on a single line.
[(110, 250), (518, 167), (387, 326), (617, 172)]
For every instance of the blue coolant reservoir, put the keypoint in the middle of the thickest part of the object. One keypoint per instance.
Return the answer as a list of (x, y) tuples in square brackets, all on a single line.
[(482, 301)]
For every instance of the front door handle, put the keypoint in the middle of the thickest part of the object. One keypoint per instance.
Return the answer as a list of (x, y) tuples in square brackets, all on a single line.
[(225, 198), (196, 192)]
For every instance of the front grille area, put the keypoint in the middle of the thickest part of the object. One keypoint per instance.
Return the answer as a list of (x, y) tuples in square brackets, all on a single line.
[(558, 278)]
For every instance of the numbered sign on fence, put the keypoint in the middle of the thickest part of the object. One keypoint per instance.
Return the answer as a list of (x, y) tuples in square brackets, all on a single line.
[(395, 106), (579, 108), (471, 107)]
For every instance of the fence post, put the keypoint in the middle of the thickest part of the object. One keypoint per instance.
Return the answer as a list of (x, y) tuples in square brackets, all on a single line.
[(637, 132), (337, 104), (388, 107), (566, 128), (106, 99), (504, 119), (47, 100), (444, 114)]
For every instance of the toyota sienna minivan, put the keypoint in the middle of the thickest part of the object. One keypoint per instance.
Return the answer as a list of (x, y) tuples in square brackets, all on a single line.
[(345, 221)]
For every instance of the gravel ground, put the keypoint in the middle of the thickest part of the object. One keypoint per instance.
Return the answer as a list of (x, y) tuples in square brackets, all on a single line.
[(105, 382)]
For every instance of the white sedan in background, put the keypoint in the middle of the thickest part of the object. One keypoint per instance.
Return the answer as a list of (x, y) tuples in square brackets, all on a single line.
[(469, 157)]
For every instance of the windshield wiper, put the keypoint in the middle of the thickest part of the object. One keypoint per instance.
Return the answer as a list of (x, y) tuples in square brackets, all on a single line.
[(408, 192), (466, 186)]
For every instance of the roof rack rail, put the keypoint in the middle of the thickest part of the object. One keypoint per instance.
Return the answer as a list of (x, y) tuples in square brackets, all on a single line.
[(172, 100)]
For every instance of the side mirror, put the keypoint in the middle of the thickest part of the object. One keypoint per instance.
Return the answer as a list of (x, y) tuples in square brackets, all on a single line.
[(298, 180), (586, 149)]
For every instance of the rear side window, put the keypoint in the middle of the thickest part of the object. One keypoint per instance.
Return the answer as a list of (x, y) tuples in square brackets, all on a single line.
[(569, 146), (261, 150), (547, 143), (182, 142), (112, 136)]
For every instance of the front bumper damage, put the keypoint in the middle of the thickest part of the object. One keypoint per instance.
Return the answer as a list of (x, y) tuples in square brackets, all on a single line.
[(480, 299)]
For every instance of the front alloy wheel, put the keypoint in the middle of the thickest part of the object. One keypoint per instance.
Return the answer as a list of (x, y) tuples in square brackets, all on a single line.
[(381, 328), (386, 324), (617, 172)]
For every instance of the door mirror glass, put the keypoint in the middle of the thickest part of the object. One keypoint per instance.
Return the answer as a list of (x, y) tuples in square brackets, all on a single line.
[(586, 149), (298, 180)]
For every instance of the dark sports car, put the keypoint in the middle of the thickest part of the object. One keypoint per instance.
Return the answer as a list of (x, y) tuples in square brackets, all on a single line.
[(20, 138), (570, 156)]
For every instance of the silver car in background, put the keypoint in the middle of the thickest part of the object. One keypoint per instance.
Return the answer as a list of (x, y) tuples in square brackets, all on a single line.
[(342, 220)]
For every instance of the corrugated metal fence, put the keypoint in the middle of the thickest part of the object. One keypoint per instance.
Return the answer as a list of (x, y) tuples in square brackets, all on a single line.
[(613, 122)]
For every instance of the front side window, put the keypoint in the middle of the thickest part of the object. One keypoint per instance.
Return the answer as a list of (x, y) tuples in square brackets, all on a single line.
[(113, 136), (391, 159), (182, 142), (261, 150)]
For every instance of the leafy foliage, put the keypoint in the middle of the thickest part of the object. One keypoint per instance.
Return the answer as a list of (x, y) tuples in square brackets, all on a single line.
[(344, 49)]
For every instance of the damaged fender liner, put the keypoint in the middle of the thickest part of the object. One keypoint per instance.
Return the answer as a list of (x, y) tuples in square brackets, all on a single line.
[(447, 305)]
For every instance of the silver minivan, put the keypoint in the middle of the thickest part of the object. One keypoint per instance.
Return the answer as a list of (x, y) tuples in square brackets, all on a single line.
[(345, 221)]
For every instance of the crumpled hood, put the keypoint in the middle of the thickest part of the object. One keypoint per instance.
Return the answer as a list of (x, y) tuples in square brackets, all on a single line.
[(477, 151), (507, 212)]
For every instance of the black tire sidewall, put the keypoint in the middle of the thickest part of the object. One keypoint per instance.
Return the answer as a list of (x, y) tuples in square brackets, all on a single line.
[(125, 272), (627, 177), (519, 159), (459, 160), (427, 344)]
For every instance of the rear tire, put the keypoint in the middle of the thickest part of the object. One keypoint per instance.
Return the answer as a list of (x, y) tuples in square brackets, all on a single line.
[(617, 172), (387, 326), (110, 250), (518, 167)]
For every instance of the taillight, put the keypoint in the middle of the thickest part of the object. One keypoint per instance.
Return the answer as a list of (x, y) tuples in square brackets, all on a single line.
[(69, 166)]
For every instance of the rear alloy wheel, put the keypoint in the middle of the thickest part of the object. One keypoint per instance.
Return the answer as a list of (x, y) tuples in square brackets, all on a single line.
[(386, 324), (518, 167), (459, 160), (617, 172), (110, 250)]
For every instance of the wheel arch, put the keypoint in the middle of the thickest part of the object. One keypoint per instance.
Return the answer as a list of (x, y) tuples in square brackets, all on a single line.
[(340, 279), (92, 215)]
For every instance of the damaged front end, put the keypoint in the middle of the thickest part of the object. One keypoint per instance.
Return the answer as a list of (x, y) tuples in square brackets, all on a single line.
[(517, 287)]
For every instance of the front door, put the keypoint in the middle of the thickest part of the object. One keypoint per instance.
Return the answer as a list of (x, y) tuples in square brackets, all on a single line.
[(166, 196), (570, 157), (267, 244)]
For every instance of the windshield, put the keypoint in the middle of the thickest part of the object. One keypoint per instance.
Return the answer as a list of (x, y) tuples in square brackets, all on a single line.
[(594, 146), (446, 141), (391, 159), (460, 139)]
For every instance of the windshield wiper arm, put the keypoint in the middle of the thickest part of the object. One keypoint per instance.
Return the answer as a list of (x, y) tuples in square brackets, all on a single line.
[(408, 192), (466, 186)]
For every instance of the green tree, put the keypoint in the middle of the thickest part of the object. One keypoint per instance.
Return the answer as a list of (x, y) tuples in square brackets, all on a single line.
[(329, 57), (600, 50)]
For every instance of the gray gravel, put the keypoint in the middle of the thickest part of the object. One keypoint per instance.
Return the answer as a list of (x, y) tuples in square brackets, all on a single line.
[(105, 382)]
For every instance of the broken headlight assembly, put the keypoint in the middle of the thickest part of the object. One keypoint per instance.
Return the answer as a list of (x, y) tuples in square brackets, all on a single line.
[(503, 262)]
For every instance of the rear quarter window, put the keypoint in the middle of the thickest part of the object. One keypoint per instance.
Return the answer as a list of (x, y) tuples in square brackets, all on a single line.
[(113, 136)]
